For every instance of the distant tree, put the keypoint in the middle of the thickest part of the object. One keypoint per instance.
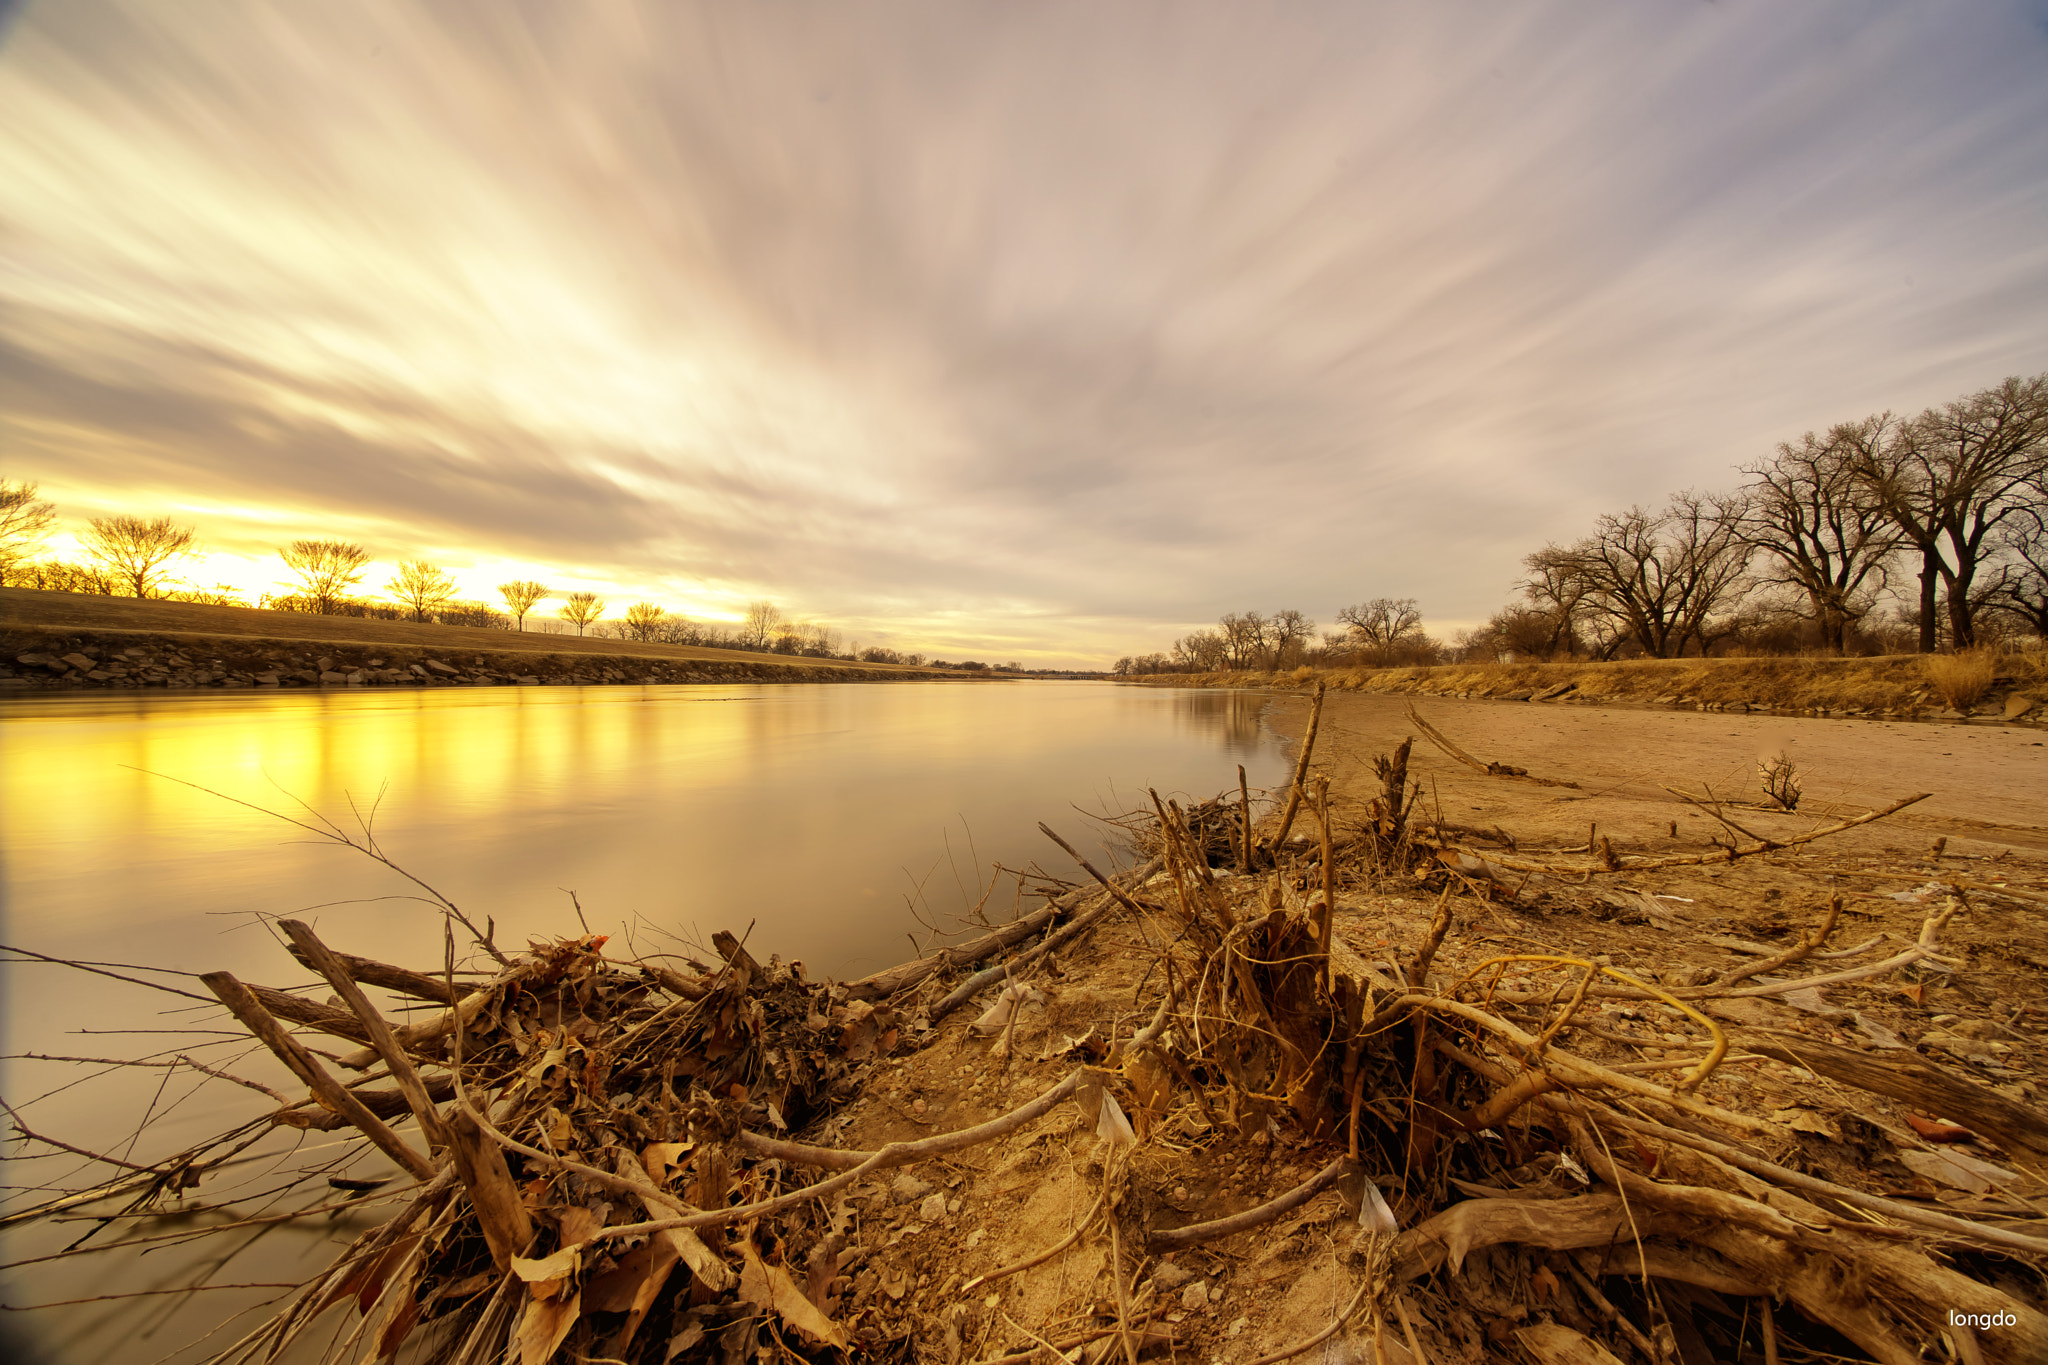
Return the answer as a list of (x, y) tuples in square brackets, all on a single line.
[(762, 621), (219, 595), (579, 609), (1825, 532), (1661, 580), (1528, 633), (643, 620), (134, 550), (1287, 635), (1950, 479), (520, 596), (25, 523), (327, 569), (54, 575), (422, 588), (1244, 639), (1382, 627), (1202, 651)]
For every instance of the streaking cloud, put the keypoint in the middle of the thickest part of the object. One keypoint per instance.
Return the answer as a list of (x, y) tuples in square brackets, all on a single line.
[(1043, 330)]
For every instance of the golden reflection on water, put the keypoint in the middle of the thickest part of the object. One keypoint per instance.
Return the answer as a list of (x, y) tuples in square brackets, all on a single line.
[(814, 814)]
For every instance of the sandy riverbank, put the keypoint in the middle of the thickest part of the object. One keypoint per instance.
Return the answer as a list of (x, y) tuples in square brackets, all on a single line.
[(1238, 1225)]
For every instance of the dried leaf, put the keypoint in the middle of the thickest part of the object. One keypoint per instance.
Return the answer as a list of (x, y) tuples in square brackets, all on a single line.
[(1113, 1126), (1801, 1119), (403, 1312), (580, 1224), (997, 1017), (769, 1286), (546, 1276), (657, 1157), (1954, 1168), (1374, 1213), (1544, 1283), (547, 1321), (1938, 1130)]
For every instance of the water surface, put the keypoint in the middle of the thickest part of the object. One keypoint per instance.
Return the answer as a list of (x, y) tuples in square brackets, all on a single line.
[(839, 822)]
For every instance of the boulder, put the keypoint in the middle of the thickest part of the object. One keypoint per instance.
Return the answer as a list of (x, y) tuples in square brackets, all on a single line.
[(2018, 705)]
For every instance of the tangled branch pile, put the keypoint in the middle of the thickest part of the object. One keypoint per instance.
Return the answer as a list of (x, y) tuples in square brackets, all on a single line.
[(606, 1169)]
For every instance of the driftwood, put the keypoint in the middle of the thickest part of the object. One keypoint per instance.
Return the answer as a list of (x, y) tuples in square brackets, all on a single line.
[(1921, 1084), (1295, 790), (612, 1159)]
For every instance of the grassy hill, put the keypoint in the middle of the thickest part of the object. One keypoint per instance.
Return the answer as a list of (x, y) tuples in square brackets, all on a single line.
[(126, 641)]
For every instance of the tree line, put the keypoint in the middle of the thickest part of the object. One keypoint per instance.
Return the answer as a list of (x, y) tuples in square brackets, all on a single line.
[(1884, 534), (135, 556)]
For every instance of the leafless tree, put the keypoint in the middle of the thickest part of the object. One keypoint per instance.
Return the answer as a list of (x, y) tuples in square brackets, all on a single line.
[(421, 588), (135, 550), (1244, 639), (643, 620), (763, 620), (1824, 531), (1203, 651), (1380, 626), (1663, 580), (327, 569), (2021, 591), (1532, 632), (579, 609), (25, 523), (1287, 635), (1951, 479), (520, 596)]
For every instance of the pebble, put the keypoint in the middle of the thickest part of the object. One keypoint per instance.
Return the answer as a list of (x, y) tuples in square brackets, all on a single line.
[(1195, 1298), (933, 1209), (908, 1189)]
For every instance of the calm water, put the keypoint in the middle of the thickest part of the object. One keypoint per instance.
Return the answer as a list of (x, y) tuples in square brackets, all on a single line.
[(837, 820)]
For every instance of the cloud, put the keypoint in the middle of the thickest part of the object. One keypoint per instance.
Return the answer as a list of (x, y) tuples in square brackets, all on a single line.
[(1072, 324)]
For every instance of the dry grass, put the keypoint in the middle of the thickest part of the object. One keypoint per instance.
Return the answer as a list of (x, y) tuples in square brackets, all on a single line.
[(63, 611), (1899, 684), (1962, 678)]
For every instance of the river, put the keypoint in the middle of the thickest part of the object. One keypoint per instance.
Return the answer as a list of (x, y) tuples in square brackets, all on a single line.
[(835, 824)]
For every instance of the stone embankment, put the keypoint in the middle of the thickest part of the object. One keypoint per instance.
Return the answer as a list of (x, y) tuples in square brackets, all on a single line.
[(45, 661)]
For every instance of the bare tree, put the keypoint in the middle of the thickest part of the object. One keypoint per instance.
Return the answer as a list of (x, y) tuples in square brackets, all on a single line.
[(643, 620), (1379, 627), (25, 523), (421, 588), (1663, 580), (1950, 479), (763, 619), (135, 550), (327, 569), (579, 609), (1825, 531), (1244, 639), (2021, 592), (1203, 651), (1288, 633), (520, 595)]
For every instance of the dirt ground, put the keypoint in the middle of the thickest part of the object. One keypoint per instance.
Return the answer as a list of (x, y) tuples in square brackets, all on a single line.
[(923, 1239)]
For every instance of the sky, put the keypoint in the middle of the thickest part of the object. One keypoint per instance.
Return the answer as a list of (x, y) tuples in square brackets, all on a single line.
[(1043, 332)]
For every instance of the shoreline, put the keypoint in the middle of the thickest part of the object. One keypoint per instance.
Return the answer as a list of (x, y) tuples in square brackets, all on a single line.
[(1890, 688), (53, 660), (975, 1111)]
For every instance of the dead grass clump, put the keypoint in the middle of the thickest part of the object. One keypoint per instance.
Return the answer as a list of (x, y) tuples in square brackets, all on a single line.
[(1962, 678)]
